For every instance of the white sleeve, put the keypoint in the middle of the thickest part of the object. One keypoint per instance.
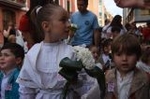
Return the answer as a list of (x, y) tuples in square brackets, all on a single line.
[(93, 93), (85, 83), (26, 93)]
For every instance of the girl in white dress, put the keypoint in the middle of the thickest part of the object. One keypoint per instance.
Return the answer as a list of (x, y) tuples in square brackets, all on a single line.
[(39, 77)]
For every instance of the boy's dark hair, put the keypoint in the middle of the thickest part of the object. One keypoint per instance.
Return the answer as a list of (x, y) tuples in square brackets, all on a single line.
[(126, 43), (85, 1), (106, 42), (15, 48), (115, 29)]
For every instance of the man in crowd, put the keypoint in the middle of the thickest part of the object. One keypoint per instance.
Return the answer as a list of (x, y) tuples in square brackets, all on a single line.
[(87, 32)]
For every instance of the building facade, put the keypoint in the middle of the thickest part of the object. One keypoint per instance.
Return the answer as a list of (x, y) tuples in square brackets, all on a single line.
[(136, 15), (10, 11)]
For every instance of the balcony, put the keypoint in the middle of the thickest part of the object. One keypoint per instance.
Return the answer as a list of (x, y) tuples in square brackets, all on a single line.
[(18, 4)]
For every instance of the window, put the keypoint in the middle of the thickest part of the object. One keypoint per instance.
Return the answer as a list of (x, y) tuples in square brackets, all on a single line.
[(8, 16)]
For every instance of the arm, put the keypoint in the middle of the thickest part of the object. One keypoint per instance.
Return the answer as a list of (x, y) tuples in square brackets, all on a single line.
[(97, 37), (96, 32), (26, 79), (6, 32), (133, 3), (93, 93), (27, 93)]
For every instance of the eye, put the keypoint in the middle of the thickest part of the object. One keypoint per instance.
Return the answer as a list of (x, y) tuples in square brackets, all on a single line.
[(64, 19), (130, 54), (118, 54), (6, 55)]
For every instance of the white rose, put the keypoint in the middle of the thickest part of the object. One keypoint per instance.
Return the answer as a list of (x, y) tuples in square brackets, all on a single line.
[(86, 57)]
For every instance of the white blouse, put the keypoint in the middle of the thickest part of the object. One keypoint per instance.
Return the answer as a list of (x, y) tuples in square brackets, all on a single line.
[(39, 77)]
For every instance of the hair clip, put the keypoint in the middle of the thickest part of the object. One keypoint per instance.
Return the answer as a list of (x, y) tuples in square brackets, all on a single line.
[(38, 9)]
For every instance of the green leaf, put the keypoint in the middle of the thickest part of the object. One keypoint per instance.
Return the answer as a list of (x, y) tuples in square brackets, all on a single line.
[(71, 65)]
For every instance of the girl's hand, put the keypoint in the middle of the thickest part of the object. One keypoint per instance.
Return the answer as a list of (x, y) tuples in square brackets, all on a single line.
[(133, 3)]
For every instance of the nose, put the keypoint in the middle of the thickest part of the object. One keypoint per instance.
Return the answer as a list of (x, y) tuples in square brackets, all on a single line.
[(124, 57), (95, 54), (1, 57)]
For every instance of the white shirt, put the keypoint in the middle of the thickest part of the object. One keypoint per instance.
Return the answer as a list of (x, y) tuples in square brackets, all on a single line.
[(123, 85), (106, 58), (104, 31), (123, 30)]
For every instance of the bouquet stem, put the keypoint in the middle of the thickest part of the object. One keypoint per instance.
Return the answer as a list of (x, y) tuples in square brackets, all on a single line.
[(65, 90)]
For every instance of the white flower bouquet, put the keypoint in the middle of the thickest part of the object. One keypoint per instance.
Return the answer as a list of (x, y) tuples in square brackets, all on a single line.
[(86, 57), (86, 61), (73, 27)]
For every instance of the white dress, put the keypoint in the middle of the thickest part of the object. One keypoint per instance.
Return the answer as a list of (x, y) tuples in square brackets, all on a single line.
[(39, 78)]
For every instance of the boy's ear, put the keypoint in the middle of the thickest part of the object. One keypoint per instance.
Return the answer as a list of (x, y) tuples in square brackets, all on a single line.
[(45, 26), (19, 60)]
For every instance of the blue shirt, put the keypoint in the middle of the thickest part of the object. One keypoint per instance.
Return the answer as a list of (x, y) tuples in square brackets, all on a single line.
[(10, 85), (86, 23)]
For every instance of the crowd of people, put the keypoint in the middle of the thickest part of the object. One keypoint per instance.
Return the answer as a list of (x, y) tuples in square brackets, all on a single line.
[(31, 54)]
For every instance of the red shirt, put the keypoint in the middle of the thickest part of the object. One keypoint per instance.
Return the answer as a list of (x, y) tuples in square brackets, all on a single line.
[(146, 33), (24, 23)]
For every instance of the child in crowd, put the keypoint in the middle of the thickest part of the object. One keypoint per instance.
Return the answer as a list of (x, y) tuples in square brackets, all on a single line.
[(12, 39), (11, 58), (126, 81), (144, 63), (39, 77), (10, 30), (105, 56), (96, 53)]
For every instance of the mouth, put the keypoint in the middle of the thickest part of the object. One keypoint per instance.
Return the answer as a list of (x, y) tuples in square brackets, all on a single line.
[(67, 31), (2, 63), (125, 65)]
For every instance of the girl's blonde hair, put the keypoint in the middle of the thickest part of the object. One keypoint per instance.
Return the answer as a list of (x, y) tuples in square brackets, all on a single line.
[(43, 13)]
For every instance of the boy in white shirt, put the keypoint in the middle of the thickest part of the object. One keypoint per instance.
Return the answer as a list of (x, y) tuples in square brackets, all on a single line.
[(126, 81)]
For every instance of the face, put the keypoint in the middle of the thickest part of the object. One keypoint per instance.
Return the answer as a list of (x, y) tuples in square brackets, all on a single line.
[(7, 60), (59, 25), (12, 38), (107, 49), (95, 52), (124, 62), (81, 6)]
